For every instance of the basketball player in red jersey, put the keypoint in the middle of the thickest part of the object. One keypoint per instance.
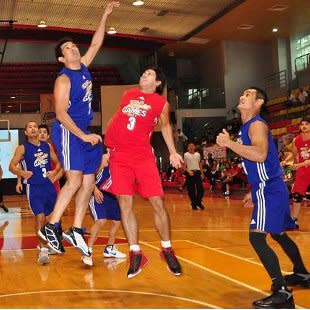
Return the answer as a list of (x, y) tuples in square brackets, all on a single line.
[(133, 164), (301, 152)]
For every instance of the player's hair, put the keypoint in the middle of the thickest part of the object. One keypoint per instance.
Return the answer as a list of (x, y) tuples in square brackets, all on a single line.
[(305, 118), (260, 93), (160, 76), (58, 50), (44, 126), (29, 123)]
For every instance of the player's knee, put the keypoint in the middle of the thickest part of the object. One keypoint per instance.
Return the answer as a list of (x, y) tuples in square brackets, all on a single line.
[(297, 197), (74, 183), (280, 238), (157, 204), (257, 239), (125, 203)]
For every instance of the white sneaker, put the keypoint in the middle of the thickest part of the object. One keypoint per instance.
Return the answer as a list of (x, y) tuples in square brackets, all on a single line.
[(75, 236), (87, 260), (44, 258), (111, 251)]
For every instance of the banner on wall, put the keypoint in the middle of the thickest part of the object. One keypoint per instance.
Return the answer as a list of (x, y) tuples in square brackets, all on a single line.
[(217, 152)]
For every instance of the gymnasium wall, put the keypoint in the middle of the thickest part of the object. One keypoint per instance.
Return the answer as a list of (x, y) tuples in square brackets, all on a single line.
[(245, 65)]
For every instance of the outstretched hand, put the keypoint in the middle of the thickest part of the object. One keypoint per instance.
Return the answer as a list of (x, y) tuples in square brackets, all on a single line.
[(110, 6)]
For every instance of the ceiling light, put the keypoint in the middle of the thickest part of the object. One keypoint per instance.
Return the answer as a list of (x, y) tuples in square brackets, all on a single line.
[(111, 30), (10, 106), (245, 27), (275, 29), (278, 7), (42, 24), (138, 3), (12, 97)]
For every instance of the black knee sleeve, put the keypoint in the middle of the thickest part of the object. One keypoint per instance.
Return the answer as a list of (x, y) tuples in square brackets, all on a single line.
[(258, 240), (297, 197), (292, 251)]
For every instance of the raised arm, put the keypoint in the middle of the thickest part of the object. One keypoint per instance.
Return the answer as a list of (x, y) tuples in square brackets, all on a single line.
[(175, 158), (98, 37), (257, 151), (61, 94)]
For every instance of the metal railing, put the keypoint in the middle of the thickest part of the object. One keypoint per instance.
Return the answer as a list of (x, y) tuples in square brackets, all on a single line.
[(276, 84)]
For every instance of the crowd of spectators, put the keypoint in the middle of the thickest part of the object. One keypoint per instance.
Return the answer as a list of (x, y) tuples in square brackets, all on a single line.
[(220, 175)]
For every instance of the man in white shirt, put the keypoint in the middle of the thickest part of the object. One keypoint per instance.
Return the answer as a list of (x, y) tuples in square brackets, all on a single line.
[(194, 176)]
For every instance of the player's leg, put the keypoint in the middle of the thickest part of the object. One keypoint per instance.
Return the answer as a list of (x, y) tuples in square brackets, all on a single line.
[(136, 259), (271, 207), (301, 276), (94, 233), (299, 190), (51, 231), (91, 161), (111, 250), (75, 235)]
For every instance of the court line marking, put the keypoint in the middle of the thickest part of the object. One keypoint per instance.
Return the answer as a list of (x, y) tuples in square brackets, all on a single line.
[(250, 287), (194, 301), (248, 260), (173, 230)]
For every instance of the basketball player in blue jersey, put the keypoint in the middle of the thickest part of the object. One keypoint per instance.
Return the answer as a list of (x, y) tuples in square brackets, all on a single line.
[(104, 206), (78, 150), (269, 194), (35, 157)]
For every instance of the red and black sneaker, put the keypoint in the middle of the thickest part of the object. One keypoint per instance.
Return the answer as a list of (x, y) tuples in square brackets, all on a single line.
[(136, 262), (173, 264)]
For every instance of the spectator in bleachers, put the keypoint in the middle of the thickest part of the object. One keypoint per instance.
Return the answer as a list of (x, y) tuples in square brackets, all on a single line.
[(291, 99), (213, 176), (302, 97)]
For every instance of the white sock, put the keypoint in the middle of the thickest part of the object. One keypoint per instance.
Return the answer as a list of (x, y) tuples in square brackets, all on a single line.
[(134, 247), (166, 244)]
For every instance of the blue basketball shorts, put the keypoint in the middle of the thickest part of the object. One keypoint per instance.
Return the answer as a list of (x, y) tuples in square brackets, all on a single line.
[(108, 209), (271, 211), (41, 198), (73, 153)]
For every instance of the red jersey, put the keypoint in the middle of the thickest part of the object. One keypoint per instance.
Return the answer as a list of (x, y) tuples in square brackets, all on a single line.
[(132, 125), (303, 148)]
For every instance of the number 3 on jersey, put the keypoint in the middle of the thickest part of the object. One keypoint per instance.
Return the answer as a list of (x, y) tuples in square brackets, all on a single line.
[(131, 123)]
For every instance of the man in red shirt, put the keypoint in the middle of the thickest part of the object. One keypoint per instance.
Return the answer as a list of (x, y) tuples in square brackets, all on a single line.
[(301, 152), (133, 164)]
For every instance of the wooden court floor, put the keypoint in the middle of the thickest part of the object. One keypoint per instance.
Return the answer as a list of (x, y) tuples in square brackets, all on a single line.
[(220, 268)]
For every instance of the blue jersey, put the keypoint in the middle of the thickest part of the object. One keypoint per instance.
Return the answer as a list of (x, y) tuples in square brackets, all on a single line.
[(257, 172), (103, 179), (80, 100), (37, 159)]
